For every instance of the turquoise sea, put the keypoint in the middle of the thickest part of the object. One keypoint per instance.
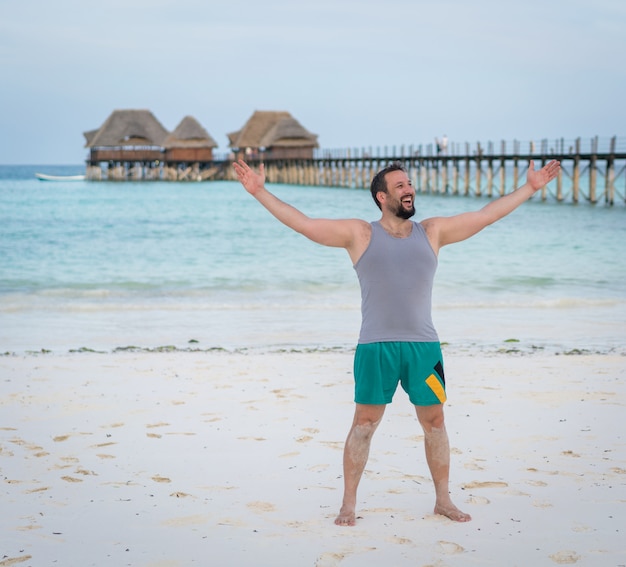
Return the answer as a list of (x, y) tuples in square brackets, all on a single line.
[(202, 266)]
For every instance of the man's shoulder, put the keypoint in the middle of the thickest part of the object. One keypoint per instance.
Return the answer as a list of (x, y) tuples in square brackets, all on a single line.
[(363, 227), (358, 225)]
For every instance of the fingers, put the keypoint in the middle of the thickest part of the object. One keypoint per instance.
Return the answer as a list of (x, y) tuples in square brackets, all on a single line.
[(241, 166), (552, 167), (244, 168)]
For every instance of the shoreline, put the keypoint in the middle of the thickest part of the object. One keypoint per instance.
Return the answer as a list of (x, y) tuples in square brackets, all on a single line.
[(173, 457), (509, 347)]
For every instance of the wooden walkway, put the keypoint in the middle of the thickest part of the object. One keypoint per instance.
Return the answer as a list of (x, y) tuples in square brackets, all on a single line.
[(589, 172), (592, 171)]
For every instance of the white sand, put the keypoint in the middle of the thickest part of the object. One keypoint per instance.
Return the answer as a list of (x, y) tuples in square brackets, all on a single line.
[(176, 459)]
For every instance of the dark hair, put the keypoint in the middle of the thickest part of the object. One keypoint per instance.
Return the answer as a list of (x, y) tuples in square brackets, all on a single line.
[(380, 184)]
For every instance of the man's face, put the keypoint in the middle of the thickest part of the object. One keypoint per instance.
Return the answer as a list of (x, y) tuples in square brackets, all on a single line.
[(400, 196)]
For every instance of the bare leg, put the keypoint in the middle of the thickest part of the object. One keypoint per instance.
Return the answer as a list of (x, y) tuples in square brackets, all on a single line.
[(438, 458), (355, 454)]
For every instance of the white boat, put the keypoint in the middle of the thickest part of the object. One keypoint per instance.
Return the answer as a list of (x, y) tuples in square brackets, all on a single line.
[(45, 177)]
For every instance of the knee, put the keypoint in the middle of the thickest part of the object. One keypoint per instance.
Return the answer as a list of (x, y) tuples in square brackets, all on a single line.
[(365, 428), (367, 419), (431, 419)]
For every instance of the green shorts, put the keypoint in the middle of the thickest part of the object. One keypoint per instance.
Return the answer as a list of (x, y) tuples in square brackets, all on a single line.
[(378, 367)]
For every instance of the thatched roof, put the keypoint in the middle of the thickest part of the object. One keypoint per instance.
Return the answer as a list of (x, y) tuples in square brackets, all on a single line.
[(266, 129), (189, 134), (90, 135), (128, 128)]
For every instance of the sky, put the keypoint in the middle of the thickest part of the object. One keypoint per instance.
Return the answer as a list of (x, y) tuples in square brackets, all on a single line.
[(358, 73)]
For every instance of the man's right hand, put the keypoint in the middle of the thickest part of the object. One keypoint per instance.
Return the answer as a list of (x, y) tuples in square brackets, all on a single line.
[(252, 181)]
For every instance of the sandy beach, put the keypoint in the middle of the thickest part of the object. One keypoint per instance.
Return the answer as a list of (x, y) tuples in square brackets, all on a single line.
[(226, 458)]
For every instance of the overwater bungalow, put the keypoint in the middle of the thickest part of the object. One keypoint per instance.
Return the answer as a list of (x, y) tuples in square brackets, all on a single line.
[(133, 144), (189, 152), (273, 135)]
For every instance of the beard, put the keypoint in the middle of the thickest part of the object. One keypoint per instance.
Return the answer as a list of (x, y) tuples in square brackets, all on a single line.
[(402, 212)]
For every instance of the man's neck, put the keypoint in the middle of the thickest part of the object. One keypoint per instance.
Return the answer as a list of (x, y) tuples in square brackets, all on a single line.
[(395, 226)]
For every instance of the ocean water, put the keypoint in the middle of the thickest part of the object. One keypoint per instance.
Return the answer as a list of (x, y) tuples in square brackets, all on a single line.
[(203, 266)]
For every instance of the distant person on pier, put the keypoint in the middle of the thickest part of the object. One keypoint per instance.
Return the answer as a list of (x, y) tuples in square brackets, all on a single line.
[(444, 145), (395, 260)]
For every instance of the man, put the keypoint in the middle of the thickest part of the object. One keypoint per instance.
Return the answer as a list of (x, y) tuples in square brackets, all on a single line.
[(395, 260)]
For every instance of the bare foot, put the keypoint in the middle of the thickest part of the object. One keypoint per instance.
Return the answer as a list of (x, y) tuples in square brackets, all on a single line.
[(346, 517), (452, 512)]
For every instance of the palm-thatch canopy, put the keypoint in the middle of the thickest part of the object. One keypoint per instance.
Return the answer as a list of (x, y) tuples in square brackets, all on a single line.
[(270, 129), (90, 135), (128, 128), (189, 134)]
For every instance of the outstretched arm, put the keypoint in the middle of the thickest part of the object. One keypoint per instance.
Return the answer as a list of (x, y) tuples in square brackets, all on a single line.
[(447, 230), (339, 233)]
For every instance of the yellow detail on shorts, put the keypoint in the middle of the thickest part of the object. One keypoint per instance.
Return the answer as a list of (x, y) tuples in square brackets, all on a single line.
[(436, 387)]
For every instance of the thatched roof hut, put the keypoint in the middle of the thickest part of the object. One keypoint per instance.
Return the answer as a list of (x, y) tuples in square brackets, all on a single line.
[(276, 133), (127, 135), (189, 142), (129, 128)]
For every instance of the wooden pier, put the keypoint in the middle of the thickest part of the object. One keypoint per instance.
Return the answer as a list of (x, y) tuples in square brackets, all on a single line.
[(592, 171)]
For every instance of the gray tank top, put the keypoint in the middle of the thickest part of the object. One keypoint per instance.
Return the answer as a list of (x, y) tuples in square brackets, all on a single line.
[(396, 277)]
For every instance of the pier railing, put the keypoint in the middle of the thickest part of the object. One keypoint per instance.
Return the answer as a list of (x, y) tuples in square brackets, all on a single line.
[(543, 147), (592, 171)]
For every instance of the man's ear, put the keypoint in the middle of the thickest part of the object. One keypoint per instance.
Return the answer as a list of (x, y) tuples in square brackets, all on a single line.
[(381, 196)]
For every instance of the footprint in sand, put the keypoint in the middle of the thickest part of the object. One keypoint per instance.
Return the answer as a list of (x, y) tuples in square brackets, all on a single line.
[(107, 444), (400, 540), (15, 560), (71, 479), (160, 424), (32, 491), (261, 506), (85, 472), (158, 478), (477, 500), (569, 454), (329, 559), (488, 484), (565, 557), (179, 494), (289, 455), (473, 467), (69, 460), (450, 548)]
